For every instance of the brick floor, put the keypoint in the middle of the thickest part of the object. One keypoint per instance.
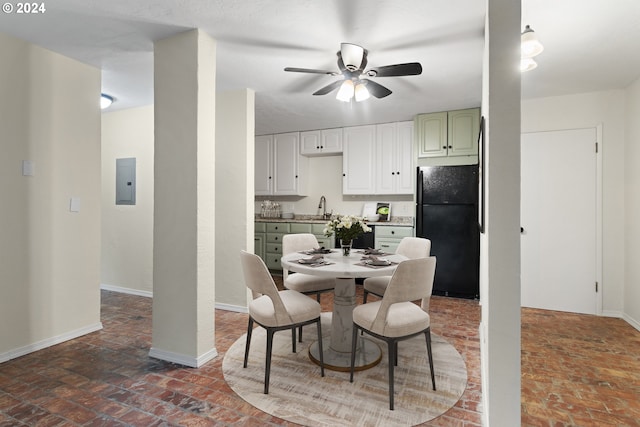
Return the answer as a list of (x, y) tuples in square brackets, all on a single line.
[(576, 370)]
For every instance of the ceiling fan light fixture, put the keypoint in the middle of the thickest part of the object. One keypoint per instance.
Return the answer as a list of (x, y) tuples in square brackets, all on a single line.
[(361, 92), (529, 44), (527, 64), (346, 91), (352, 55)]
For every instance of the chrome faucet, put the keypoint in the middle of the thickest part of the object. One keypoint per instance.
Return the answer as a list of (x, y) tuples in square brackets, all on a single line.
[(323, 205)]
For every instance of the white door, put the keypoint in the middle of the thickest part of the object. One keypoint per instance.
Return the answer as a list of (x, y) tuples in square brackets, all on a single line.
[(559, 220)]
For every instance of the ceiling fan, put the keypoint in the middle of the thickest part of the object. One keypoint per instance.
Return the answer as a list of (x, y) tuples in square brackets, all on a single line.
[(355, 82)]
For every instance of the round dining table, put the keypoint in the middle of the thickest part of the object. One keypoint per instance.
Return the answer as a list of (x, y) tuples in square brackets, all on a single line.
[(345, 269)]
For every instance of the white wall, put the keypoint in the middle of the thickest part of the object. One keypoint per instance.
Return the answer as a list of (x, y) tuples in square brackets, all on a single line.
[(234, 193), (589, 110), (49, 256), (127, 231), (632, 206)]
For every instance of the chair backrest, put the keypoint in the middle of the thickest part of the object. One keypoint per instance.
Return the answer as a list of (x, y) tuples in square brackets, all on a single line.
[(412, 280), (296, 243), (259, 280), (414, 247)]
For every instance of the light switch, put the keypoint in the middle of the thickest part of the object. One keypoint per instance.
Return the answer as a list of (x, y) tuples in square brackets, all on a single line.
[(74, 205), (27, 168)]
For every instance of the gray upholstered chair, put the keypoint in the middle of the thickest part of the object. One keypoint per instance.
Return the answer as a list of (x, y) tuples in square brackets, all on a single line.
[(303, 283), (395, 317), (275, 310), (412, 248)]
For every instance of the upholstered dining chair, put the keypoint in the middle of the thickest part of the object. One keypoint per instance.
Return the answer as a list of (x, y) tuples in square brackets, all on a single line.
[(412, 248), (304, 283), (275, 310), (395, 317)]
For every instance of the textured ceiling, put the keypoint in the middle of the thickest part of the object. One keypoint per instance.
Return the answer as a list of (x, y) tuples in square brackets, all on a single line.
[(589, 45)]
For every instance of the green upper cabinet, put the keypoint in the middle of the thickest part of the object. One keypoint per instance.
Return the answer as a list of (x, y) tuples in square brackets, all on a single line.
[(453, 133)]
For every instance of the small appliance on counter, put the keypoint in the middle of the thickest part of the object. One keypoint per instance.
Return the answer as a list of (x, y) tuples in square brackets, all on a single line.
[(376, 211)]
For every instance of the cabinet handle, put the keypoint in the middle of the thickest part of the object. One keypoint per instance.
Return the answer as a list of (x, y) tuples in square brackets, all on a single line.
[(321, 147), (344, 174), (398, 173), (450, 147), (393, 173), (296, 176), (444, 147), (393, 232), (317, 147), (269, 177)]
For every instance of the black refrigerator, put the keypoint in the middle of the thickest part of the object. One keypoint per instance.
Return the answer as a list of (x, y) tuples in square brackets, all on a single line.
[(447, 214)]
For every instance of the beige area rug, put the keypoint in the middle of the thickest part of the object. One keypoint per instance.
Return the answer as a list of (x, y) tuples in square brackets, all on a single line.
[(297, 392)]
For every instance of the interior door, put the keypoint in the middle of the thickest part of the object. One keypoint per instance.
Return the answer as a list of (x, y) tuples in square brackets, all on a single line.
[(559, 220)]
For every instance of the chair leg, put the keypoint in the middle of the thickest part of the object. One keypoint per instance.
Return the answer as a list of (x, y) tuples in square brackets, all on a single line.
[(364, 296), (354, 337), (293, 339), (427, 334), (248, 343), (393, 346), (320, 348), (395, 351), (300, 334), (267, 370)]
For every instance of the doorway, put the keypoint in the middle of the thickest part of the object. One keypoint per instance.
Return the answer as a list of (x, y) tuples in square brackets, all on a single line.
[(560, 219)]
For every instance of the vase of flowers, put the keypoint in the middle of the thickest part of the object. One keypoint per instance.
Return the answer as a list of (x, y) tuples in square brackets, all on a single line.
[(346, 228)]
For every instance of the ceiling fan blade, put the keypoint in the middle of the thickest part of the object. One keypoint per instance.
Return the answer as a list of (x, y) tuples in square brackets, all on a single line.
[(328, 88), (376, 89), (309, 70), (410, 69)]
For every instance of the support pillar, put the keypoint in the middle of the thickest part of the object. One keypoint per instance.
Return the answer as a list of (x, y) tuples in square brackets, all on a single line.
[(184, 199)]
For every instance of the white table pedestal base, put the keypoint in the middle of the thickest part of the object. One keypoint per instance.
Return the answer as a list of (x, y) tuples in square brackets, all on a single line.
[(337, 348), (368, 355)]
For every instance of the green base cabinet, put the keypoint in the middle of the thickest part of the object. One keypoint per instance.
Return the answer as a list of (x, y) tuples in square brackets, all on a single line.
[(388, 237)]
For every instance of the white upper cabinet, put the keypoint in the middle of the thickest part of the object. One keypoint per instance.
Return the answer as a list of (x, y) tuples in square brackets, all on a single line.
[(453, 133), (378, 159), (280, 169), (325, 142), (358, 160), (264, 165), (394, 155)]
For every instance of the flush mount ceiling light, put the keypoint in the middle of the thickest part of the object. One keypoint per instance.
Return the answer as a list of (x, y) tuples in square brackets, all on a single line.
[(105, 101), (530, 46)]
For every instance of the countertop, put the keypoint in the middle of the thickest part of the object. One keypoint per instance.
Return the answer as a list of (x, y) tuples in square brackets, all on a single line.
[(401, 221)]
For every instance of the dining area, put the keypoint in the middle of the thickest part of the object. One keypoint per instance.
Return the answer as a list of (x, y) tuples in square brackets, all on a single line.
[(369, 361)]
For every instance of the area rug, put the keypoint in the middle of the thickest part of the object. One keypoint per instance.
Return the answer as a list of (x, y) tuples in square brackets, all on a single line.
[(297, 392)]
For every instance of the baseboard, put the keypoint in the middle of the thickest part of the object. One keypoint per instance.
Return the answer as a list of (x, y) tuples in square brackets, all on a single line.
[(229, 307), (124, 290), (611, 313), (633, 322), (21, 351), (183, 359)]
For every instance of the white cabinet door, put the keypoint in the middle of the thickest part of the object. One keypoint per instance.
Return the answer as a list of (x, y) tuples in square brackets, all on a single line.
[(263, 179), (405, 182), (285, 149), (323, 142), (310, 143), (331, 141), (358, 160), (386, 164), (394, 154)]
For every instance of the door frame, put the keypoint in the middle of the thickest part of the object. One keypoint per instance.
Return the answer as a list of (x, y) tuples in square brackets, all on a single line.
[(598, 207)]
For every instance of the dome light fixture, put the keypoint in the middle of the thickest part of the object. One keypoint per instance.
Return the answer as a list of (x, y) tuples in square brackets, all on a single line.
[(105, 101)]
